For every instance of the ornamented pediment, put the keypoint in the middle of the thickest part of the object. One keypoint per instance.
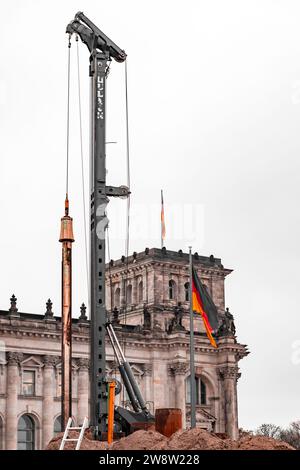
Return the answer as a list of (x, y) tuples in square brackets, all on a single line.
[(204, 419), (31, 362), (179, 357), (136, 370)]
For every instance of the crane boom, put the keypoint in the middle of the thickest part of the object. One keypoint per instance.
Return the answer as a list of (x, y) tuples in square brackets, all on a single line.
[(93, 37)]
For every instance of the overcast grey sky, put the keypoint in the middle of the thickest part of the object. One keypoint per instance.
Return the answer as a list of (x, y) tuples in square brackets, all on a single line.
[(214, 98)]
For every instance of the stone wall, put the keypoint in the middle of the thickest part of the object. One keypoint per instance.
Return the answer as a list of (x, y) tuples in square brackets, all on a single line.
[(157, 350)]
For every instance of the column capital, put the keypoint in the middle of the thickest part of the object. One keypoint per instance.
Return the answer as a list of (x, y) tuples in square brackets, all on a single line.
[(177, 368), (83, 363), (229, 372), (50, 360), (148, 368), (14, 358)]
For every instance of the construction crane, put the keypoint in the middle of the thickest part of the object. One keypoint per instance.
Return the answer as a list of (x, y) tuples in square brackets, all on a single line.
[(102, 51)]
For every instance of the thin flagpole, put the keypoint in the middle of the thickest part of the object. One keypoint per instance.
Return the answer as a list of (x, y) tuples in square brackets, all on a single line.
[(192, 348), (162, 219)]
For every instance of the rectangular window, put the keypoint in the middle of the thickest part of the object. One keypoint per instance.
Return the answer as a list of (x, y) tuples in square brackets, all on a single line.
[(200, 391), (28, 383)]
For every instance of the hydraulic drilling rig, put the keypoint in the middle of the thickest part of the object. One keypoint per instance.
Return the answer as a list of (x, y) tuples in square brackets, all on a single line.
[(102, 51)]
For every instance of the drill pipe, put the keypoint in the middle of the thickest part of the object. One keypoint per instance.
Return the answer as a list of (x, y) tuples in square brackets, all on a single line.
[(66, 238)]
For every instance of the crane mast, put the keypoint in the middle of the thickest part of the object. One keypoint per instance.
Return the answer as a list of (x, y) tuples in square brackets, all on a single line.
[(99, 200), (102, 50)]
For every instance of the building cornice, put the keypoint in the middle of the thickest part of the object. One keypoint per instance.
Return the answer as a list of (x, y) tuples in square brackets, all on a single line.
[(121, 271), (140, 341)]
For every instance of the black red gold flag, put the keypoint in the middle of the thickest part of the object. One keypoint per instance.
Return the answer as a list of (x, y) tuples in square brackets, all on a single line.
[(204, 305)]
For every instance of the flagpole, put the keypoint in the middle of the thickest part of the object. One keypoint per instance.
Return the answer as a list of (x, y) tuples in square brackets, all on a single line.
[(192, 348), (161, 218)]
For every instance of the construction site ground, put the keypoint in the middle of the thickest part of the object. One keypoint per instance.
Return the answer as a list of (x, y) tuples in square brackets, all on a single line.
[(191, 439)]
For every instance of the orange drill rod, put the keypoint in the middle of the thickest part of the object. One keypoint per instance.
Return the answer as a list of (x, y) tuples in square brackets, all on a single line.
[(111, 407)]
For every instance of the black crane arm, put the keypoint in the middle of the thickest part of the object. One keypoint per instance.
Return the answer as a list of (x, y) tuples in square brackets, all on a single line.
[(134, 393), (93, 37)]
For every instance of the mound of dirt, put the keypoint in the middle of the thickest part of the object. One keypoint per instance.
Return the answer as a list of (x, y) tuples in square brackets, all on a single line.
[(260, 442), (190, 439), (141, 440), (194, 439)]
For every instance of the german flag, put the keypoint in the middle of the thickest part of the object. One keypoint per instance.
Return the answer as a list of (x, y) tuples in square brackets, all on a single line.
[(203, 304)]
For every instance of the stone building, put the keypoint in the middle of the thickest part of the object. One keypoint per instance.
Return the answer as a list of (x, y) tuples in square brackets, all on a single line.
[(147, 299)]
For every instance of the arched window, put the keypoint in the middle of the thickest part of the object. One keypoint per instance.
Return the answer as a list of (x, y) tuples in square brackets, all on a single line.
[(117, 297), (172, 289), (57, 426), (201, 398), (129, 294), (187, 291), (26, 433), (140, 291)]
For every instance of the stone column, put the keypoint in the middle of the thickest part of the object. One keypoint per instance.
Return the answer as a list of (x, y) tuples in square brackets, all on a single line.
[(12, 388), (148, 382), (83, 389), (180, 288), (134, 291), (122, 292), (179, 370), (145, 285), (163, 296), (229, 375), (150, 286), (48, 395)]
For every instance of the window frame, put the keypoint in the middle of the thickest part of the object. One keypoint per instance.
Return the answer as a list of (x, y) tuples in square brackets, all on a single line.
[(140, 291), (27, 419), (58, 420), (201, 391), (186, 291), (129, 292), (172, 289), (23, 383)]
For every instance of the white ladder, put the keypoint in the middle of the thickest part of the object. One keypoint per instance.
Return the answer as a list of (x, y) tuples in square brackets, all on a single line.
[(70, 428)]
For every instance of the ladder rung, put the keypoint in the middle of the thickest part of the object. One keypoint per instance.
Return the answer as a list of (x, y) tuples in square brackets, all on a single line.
[(72, 428)]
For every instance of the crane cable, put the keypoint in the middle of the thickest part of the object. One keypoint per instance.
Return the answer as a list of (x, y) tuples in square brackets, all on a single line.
[(127, 238), (68, 115), (82, 176)]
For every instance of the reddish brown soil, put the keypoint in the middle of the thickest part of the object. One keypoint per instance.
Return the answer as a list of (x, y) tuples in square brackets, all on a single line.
[(261, 442), (191, 439)]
